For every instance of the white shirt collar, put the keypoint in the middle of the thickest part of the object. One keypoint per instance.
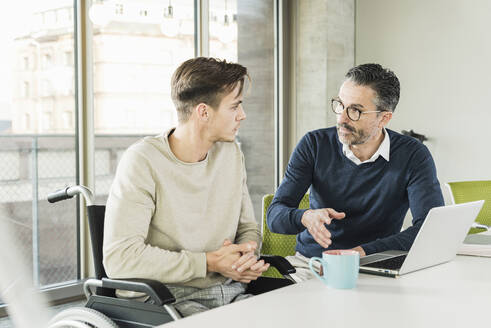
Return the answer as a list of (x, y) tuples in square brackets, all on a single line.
[(383, 150)]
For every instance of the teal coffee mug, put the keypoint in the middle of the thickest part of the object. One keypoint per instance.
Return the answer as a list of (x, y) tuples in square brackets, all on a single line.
[(340, 269)]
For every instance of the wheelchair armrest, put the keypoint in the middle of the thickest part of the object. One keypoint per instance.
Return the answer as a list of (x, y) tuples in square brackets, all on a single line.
[(280, 263), (155, 289)]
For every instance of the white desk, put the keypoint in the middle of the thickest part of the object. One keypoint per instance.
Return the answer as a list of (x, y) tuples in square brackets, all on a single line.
[(454, 294)]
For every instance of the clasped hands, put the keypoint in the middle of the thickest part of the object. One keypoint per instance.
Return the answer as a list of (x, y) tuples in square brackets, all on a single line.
[(236, 261)]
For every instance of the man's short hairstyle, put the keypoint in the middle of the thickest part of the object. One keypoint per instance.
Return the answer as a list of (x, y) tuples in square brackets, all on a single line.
[(382, 80), (204, 80)]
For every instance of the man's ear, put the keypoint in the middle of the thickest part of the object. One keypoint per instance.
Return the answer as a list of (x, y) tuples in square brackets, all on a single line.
[(202, 111), (386, 117)]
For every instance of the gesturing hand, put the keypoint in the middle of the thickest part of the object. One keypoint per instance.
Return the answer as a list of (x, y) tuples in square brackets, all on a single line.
[(315, 221)]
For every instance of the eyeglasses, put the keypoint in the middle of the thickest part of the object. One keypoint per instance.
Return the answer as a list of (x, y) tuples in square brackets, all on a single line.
[(354, 114)]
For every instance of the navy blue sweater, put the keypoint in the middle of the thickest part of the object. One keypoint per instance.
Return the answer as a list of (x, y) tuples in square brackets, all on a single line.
[(375, 196)]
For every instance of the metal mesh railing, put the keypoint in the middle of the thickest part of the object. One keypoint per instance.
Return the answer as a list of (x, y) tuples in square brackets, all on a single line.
[(31, 166)]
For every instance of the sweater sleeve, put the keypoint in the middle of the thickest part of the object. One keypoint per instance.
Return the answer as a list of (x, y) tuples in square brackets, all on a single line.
[(247, 229), (283, 215), (129, 211), (423, 192)]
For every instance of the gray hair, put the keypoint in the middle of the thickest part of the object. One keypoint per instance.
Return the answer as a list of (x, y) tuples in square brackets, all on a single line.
[(381, 80)]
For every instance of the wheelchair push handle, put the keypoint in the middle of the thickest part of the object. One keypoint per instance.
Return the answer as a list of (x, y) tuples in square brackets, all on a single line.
[(58, 195), (69, 192)]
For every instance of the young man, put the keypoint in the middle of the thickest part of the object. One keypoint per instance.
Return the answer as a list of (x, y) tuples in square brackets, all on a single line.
[(362, 177), (179, 210)]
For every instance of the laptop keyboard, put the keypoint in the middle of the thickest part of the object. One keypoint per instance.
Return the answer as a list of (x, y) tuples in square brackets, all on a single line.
[(394, 263)]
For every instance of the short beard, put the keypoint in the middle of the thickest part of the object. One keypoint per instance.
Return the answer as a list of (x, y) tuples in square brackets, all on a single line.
[(359, 136)]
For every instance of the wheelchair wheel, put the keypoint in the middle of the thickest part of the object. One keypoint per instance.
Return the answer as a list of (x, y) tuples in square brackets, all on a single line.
[(81, 317)]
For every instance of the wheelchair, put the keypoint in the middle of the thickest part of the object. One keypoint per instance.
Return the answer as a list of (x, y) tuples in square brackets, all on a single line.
[(104, 310)]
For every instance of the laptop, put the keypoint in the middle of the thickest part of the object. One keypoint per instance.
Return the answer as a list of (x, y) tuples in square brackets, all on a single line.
[(437, 241)]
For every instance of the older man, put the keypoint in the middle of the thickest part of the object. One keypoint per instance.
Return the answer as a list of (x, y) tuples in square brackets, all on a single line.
[(362, 176)]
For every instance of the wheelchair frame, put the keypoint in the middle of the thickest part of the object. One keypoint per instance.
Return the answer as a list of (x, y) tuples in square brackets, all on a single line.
[(127, 313)]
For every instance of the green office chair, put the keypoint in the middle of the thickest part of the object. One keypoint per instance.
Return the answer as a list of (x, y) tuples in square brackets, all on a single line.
[(468, 191), (275, 243)]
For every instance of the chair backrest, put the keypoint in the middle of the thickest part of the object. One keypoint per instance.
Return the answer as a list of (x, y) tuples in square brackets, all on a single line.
[(468, 191), (274, 243), (95, 214)]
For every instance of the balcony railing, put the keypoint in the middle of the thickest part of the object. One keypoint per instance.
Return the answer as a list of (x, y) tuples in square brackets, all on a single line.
[(31, 166)]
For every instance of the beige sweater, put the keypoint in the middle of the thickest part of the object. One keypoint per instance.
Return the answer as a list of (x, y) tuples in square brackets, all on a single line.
[(163, 214)]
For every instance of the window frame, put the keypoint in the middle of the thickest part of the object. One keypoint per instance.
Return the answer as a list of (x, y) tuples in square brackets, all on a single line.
[(84, 120)]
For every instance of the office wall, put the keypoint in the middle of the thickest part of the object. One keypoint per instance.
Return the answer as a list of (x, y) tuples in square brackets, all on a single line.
[(323, 51), (441, 52)]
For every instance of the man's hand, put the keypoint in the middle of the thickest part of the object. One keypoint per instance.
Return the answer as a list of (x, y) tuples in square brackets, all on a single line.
[(242, 256), (248, 261), (358, 249), (315, 221)]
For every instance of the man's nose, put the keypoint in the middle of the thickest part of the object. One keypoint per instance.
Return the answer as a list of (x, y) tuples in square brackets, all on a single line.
[(343, 117), (242, 115)]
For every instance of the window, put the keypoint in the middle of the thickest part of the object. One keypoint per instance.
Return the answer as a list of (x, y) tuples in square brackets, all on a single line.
[(68, 58), (25, 63), (119, 9), (46, 61), (131, 97), (46, 234), (25, 89), (27, 122), (67, 119), (46, 122), (132, 84), (231, 28), (45, 88)]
